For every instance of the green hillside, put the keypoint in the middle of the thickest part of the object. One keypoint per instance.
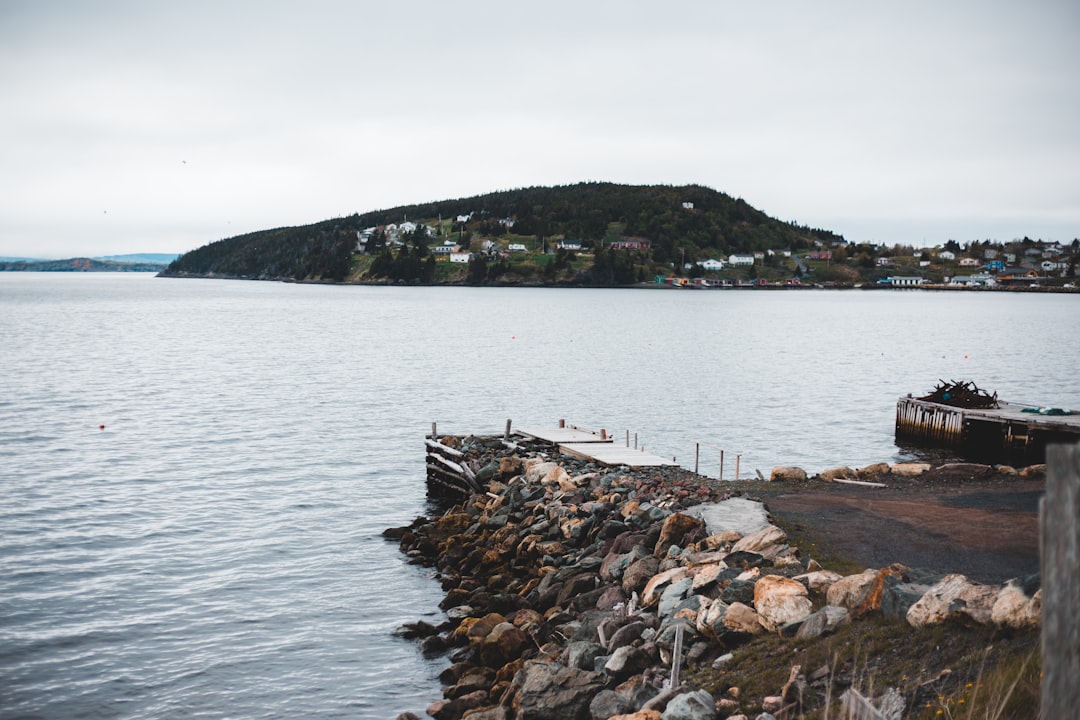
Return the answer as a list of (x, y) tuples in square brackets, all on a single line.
[(664, 226)]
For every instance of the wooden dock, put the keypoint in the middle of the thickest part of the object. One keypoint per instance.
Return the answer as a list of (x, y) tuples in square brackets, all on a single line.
[(1012, 432), (595, 446)]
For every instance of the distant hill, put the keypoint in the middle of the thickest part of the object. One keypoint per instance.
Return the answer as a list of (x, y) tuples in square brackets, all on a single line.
[(78, 265), (620, 234), (146, 258)]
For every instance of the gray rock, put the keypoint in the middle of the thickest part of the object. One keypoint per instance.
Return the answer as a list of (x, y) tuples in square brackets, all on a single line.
[(638, 573), (822, 622), (608, 703), (626, 661), (673, 595), (741, 591), (582, 654), (549, 691), (698, 705), (626, 635)]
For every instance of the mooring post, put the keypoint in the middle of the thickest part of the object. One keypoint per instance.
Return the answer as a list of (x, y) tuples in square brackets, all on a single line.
[(434, 432), (738, 460), (628, 437), (721, 464), (506, 435), (1059, 550), (697, 456), (635, 441)]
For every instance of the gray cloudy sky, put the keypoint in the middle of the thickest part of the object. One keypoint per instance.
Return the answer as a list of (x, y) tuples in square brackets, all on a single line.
[(161, 126)]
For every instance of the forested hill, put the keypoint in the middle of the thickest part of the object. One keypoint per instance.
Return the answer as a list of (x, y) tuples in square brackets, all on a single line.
[(662, 224)]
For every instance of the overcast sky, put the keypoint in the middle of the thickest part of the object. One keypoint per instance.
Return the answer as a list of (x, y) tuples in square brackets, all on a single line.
[(162, 126)]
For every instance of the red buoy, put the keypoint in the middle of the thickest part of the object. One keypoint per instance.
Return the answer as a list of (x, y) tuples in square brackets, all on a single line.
[(101, 426)]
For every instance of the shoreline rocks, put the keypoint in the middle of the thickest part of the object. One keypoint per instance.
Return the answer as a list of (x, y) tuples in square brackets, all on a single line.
[(574, 591)]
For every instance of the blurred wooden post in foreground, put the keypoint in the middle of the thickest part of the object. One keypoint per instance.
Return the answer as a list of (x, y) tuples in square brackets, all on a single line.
[(1059, 540)]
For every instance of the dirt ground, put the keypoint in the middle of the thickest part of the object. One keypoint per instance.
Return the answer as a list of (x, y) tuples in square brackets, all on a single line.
[(966, 519)]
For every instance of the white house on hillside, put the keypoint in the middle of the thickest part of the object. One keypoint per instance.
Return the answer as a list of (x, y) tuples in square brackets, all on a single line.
[(740, 259), (712, 264)]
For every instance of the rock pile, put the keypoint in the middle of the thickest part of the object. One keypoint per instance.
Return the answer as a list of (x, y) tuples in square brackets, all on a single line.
[(578, 592)]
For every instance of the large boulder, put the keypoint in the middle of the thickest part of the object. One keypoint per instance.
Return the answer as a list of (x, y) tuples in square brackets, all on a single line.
[(787, 474), (909, 469), (873, 472), (819, 581), (780, 600), (739, 618), (549, 691), (871, 601), (837, 473), (706, 575), (659, 582), (1013, 608), (766, 537), (850, 591), (673, 595), (638, 573), (503, 644), (536, 472), (955, 597), (674, 529)]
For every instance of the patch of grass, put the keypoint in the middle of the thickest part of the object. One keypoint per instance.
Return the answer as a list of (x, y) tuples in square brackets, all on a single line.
[(965, 671)]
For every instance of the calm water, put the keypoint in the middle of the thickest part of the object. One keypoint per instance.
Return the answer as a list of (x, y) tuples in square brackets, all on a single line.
[(214, 551)]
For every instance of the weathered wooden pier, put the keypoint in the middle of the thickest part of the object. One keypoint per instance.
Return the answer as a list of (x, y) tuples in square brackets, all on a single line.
[(448, 472), (1010, 432)]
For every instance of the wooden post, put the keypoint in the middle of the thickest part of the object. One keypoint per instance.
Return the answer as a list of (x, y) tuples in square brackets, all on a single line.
[(434, 432), (635, 441), (738, 460), (721, 464), (506, 436), (697, 456), (1059, 545), (628, 438), (676, 656)]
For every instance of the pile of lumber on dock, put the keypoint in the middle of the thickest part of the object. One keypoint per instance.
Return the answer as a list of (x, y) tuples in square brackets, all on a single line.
[(962, 394)]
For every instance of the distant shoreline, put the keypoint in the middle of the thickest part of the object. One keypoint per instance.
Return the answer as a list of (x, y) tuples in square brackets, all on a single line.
[(656, 286)]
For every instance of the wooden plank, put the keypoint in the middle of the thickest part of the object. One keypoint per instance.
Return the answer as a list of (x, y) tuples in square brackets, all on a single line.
[(610, 454), (863, 483), (563, 435), (446, 449), (1059, 517)]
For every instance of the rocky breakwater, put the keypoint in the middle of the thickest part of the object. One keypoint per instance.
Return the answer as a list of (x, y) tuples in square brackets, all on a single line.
[(577, 592)]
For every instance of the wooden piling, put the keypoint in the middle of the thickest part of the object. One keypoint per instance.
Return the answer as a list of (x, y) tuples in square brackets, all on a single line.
[(506, 435), (721, 465), (697, 456), (1059, 545), (738, 461)]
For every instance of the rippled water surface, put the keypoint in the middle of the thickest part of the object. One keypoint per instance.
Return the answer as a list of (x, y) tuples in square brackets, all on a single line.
[(195, 474)]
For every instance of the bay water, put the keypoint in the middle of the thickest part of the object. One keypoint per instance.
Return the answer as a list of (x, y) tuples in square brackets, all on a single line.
[(194, 474)]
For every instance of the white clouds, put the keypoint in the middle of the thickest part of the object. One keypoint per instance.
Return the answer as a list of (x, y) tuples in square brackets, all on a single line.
[(220, 118)]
